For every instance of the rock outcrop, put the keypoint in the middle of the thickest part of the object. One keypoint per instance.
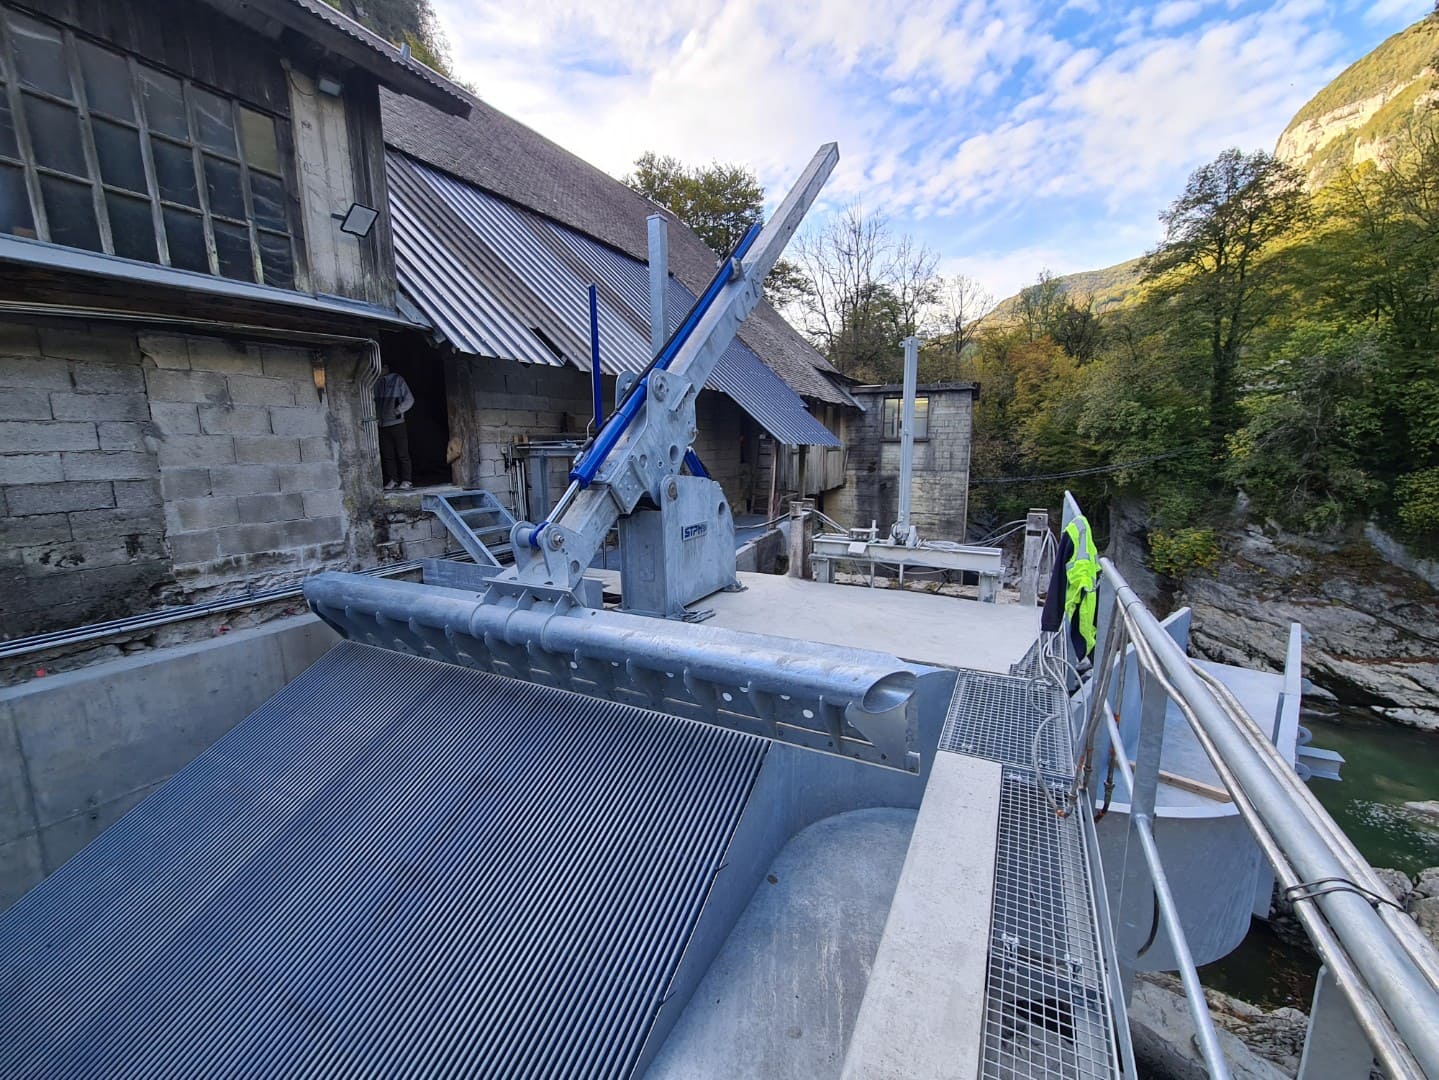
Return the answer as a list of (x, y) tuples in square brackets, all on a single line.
[(1371, 628)]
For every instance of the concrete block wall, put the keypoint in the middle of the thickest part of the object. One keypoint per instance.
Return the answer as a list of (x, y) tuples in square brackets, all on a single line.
[(82, 523), (939, 498), (510, 400), (140, 470), (248, 463)]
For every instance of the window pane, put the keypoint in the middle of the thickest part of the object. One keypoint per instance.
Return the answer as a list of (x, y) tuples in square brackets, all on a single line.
[(55, 135), (70, 210), (118, 149), (107, 81), (186, 235), (222, 182), (8, 145), (175, 172), (15, 203), (921, 418), (891, 418), (214, 127), (232, 246), (40, 55), (257, 132), (267, 196), (132, 227), (277, 260), (164, 105)]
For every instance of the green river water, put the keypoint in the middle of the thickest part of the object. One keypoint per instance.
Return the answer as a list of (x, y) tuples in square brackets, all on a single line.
[(1385, 766)]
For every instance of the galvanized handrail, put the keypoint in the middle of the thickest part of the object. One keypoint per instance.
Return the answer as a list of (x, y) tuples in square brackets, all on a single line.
[(1384, 970)]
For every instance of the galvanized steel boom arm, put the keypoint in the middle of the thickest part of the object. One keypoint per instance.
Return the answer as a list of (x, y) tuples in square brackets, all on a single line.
[(645, 442)]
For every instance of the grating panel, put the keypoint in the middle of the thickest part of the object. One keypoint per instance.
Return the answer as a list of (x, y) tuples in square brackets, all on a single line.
[(996, 717), (394, 867), (1047, 1013)]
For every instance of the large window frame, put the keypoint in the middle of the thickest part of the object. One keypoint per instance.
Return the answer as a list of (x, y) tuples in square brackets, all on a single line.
[(88, 125), (892, 416)]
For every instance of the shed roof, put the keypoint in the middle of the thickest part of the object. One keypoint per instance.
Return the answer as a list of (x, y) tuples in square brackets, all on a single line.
[(498, 280), (506, 158)]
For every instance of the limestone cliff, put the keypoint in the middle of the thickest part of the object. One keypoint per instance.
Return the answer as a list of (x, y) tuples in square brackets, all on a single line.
[(1352, 119)]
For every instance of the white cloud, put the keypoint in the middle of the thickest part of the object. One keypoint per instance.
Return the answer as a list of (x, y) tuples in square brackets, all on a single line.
[(1033, 135)]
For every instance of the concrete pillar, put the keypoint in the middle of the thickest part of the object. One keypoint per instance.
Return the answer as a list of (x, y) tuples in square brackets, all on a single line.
[(801, 537), (1036, 525)]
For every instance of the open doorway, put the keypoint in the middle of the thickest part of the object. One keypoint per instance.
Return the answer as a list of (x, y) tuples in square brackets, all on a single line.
[(427, 424)]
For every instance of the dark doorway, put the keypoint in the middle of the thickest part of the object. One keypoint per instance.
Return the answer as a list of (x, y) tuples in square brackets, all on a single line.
[(428, 423)]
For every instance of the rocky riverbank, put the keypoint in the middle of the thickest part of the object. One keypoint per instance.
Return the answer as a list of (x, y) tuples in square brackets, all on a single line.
[(1261, 1044), (1372, 626)]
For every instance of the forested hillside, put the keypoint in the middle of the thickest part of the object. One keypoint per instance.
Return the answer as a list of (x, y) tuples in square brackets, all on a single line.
[(1281, 350)]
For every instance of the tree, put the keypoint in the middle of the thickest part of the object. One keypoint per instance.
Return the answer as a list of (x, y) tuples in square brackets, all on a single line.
[(867, 290), (1210, 263), (1040, 304), (961, 301), (408, 22), (719, 202), (1078, 330)]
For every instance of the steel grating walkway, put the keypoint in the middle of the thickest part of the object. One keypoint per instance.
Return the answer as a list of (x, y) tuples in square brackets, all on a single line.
[(1047, 1011), (394, 867), (996, 717)]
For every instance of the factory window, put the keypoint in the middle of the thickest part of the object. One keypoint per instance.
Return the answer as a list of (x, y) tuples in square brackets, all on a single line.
[(893, 410), (102, 152)]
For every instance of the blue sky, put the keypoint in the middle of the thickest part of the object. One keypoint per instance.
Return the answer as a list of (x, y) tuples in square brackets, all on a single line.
[(1008, 135)]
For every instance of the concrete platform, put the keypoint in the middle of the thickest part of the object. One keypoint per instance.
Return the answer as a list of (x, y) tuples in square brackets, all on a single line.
[(921, 627)]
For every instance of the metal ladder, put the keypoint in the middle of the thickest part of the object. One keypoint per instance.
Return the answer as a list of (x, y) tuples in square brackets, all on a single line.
[(479, 521)]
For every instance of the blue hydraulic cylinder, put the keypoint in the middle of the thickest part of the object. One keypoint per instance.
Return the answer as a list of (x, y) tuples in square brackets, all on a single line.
[(588, 466)]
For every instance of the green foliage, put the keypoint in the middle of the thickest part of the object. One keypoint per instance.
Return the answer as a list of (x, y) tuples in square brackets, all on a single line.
[(1304, 453), (411, 22), (1417, 495), (719, 202), (1177, 552), (1399, 57)]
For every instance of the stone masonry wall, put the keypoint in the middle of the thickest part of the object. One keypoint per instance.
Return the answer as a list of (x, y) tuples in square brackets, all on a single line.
[(939, 498)]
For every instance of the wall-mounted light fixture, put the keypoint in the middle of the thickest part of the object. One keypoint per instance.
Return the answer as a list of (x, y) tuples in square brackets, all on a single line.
[(317, 373), (329, 84), (358, 220)]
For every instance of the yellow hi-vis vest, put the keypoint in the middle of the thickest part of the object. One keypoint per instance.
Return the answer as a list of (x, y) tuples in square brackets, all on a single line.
[(1082, 581)]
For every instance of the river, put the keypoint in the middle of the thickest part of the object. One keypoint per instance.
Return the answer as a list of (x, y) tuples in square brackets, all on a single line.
[(1385, 766)]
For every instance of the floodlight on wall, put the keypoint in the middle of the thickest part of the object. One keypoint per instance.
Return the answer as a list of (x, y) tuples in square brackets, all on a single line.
[(329, 84), (358, 220)]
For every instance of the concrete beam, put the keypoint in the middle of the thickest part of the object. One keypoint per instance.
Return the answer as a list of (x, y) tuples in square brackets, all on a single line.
[(923, 1008)]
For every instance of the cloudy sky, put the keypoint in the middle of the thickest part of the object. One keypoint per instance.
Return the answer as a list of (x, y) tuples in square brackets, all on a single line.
[(1008, 135)]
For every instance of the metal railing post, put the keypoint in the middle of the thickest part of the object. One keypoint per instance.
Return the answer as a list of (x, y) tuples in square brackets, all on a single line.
[(1335, 1047)]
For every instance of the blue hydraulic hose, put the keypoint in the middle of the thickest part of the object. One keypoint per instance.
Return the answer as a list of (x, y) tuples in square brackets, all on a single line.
[(595, 357), (589, 464), (696, 466)]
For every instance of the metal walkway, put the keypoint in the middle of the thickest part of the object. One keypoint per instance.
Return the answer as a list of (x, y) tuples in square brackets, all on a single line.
[(394, 867), (1047, 1010)]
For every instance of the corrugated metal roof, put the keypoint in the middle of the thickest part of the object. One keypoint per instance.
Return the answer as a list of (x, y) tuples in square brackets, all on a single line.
[(489, 274), (393, 867)]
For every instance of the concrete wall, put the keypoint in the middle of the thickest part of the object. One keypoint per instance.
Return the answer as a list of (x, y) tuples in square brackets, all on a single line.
[(140, 470), (939, 498), (78, 750)]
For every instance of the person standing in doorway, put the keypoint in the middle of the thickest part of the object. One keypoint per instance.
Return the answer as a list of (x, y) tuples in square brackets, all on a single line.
[(392, 400)]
